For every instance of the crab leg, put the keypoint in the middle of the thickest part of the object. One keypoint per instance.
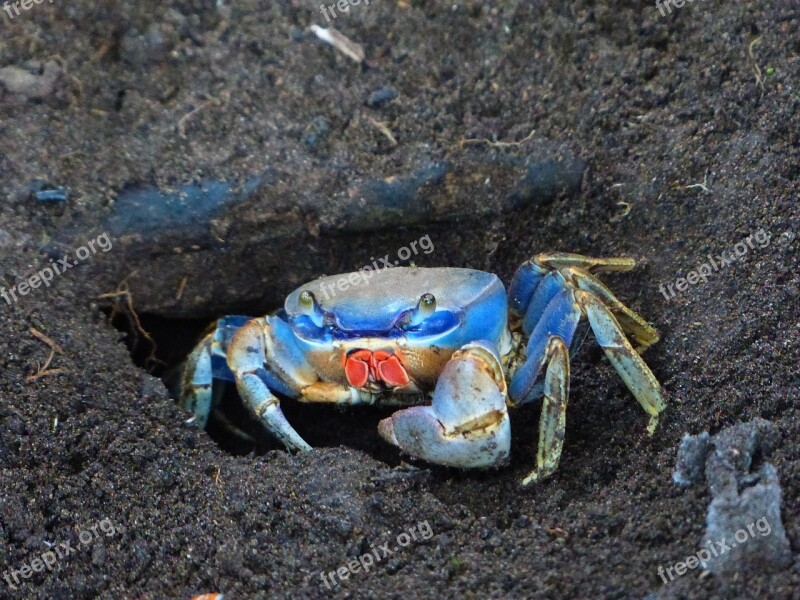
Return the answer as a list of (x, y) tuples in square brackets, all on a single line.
[(559, 320), (195, 391), (548, 345), (246, 356), (531, 290), (203, 374), (581, 268), (631, 323), (552, 422), (560, 260), (336, 393), (554, 331), (524, 284), (552, 285), (631, 368), (536, 280), (467, 424)]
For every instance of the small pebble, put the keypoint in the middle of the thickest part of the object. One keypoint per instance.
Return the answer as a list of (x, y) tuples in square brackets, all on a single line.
[(36, 83), (57, 195), (382, 96), (316, 132)]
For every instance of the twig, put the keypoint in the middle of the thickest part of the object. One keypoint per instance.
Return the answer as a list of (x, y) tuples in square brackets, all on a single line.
[(101, 51), (223, 98), (626, 210), (463, 142), (384, 129), (557, 532), (182, 121), (703, 186), (128, 310), (44, 370), (759, 78), (181, 288), (44, 373), (43, 338), (79, 83), (339, 41)]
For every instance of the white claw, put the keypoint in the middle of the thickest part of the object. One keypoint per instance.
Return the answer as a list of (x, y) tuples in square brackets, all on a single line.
[(467, 424)]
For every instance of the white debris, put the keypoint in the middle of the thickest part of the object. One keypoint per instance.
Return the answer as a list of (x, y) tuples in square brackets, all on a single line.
[(339, 41), (31, 85)]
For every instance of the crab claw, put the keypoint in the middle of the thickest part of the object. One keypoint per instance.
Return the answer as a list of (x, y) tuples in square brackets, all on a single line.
[(467, 424)]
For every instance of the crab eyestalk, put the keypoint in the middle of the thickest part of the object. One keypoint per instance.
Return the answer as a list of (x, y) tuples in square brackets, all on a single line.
[(424, 309), (310, 306)]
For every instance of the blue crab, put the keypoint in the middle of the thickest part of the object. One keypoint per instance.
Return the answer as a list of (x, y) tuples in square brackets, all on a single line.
[(449, 336)]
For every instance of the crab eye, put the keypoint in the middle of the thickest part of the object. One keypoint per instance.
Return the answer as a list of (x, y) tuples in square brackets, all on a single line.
[(427, 305), (309, 306), (307, 298), (424, 309)]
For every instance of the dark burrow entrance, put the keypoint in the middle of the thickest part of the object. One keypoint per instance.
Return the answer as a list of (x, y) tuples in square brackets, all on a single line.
[(159, 345)]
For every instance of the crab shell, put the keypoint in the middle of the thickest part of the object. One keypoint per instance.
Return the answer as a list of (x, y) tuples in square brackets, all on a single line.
[(366, 319)]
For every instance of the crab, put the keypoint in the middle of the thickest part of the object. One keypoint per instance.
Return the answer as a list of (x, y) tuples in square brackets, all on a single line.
[(450, 344)]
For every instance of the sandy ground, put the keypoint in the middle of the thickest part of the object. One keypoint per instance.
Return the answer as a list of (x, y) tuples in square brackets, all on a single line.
[(689, 125)]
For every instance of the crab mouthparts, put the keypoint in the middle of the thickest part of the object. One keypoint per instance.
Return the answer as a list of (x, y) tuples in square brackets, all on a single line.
[(380, 366)]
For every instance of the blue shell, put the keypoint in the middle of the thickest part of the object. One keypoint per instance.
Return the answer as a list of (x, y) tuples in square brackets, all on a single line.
[(470, 305)]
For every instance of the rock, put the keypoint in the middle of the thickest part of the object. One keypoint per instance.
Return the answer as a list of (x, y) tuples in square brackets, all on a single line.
[(691, 463), (145, 212), (744, 531), (36, 83), (484, 186), (750, 524), (728, 465), (378, 203), (550, 177), (56, 195), (216, 247), (380, 97), (316, 132)]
